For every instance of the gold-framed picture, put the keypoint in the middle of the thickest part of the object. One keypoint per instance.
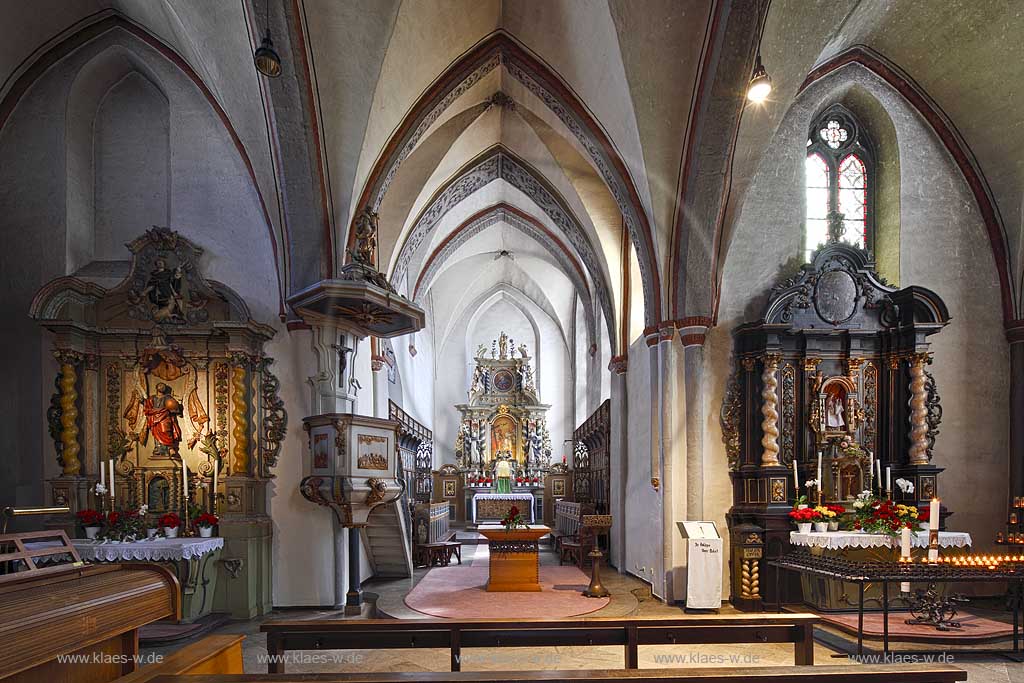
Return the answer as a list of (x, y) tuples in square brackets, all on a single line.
[(449, 488), (558, 487)]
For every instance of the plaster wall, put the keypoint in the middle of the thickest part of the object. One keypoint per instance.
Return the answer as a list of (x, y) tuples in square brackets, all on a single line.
[(943, 246)]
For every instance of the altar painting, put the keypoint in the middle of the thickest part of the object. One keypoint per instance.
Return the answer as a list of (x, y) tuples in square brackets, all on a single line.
[(504, 431)]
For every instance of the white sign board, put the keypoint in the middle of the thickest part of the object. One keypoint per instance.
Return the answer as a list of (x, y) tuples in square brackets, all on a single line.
[(703, 565)]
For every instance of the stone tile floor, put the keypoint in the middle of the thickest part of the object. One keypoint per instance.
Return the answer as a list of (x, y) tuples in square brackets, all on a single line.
[(630, 597)]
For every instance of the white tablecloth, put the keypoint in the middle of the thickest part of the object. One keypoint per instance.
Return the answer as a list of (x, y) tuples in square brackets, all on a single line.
[(156, 550), (839, 540), (527, 497)]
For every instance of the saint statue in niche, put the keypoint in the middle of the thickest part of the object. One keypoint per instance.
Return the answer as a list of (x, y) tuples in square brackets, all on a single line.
[(162, 411), (834, 412)]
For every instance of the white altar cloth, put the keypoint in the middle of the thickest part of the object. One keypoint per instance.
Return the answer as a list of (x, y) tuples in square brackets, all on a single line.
[(150, 550), (527, 497), (840, 540)]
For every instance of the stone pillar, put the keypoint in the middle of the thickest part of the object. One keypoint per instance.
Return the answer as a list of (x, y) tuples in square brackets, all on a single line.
[(619, 460), (1015, 335), (770, 401), (380, 385), (674, 459), (918, 410)]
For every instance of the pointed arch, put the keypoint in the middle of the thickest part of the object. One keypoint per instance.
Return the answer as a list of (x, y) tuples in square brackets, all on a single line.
[(501, 49)]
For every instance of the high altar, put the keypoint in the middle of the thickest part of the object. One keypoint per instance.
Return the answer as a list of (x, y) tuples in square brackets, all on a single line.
[(835, 370), (503, 447)]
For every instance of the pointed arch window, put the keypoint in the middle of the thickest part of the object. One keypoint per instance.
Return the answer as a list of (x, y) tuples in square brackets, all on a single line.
[(839, 178)]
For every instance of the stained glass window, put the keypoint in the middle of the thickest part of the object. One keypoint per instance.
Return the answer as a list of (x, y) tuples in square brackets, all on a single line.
[(838, 169)]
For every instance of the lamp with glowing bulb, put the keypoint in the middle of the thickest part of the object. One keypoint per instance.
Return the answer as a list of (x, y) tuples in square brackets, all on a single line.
[(266, 58), (760, 84)]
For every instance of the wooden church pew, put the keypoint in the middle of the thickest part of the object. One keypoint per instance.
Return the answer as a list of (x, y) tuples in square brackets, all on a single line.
[(216, 654)]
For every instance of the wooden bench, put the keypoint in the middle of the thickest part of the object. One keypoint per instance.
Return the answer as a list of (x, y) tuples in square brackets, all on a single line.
[(867, 673), (441, 543), (217, 654), (372, 634), (567, 523)]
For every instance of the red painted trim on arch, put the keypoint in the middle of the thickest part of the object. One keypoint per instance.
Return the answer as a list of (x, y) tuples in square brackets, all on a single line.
[(950, 137), (88, 33), (509, 48), (500, 206)]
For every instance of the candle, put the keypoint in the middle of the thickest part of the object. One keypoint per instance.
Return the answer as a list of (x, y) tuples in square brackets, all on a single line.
[(888, 481), (905, 554), (819, 471), (103, 474), (796, 480), (933, 526), (871, 466), (184, 482), (111, 482), (213, 493), (878, 467)]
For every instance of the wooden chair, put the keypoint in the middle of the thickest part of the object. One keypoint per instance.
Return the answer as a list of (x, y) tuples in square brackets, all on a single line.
[(577, 549)]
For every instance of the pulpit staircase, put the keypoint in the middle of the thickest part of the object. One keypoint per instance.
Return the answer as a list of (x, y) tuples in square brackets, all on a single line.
[(387, 540)]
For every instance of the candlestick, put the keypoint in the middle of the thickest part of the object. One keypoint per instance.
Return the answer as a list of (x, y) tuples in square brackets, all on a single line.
[(184, 482), (213, 497), (905, 554), (819, 473), (933, 530), (112, 487), (796, 480)]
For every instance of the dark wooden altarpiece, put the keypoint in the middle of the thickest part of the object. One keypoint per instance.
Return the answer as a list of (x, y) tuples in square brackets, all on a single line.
[(837, 364)]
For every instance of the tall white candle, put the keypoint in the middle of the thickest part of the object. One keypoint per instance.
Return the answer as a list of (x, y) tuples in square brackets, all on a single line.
[(103, 474), (888, 481), (819, 471), (213, 493), (184, 481), (933, 523), (796, 480), (112, 487), (905, 553), (878, 467), (871, 466)]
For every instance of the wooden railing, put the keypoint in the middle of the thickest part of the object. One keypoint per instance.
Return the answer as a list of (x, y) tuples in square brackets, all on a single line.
[(567, 521), (836, 673), (371, 634), (439, 517)]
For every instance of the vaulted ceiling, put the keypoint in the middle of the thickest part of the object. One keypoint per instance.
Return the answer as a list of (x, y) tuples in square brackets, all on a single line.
[(572, 133)]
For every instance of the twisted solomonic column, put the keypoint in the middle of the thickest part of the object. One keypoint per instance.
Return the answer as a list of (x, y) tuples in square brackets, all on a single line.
[(918, 410), (770, 400), (69, 412), (239, 417)]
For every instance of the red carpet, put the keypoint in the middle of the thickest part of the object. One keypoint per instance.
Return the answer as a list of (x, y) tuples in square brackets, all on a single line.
[(973, 628), (458, 593)]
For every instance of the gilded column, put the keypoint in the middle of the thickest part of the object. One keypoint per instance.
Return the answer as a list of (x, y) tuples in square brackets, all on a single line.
[(918, 410), (770, 400), (69, 361), (239, 417)]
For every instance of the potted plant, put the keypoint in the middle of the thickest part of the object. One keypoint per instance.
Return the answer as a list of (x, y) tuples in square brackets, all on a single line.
[(825, 517), (123, 525), (833, 522), (804, 518), (91, 521), (170, 523), (205, 523)]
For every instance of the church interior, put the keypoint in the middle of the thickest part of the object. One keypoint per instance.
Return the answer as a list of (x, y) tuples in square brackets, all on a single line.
[(511, 340)]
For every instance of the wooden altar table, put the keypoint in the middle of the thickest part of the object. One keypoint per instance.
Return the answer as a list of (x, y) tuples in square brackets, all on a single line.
[(515, 562), (494, 506)]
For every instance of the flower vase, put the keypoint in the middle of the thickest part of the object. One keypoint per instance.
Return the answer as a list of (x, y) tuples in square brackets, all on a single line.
[(92, 531), (803, 528), (833, 526), (205, 531), (821, 527), (171, 531)]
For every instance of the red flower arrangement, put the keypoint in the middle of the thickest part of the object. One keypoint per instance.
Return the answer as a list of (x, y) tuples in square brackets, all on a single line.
[(513, 519), (90, 517), (838, 509), (205, 520), (805, 515), (170, 520)]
